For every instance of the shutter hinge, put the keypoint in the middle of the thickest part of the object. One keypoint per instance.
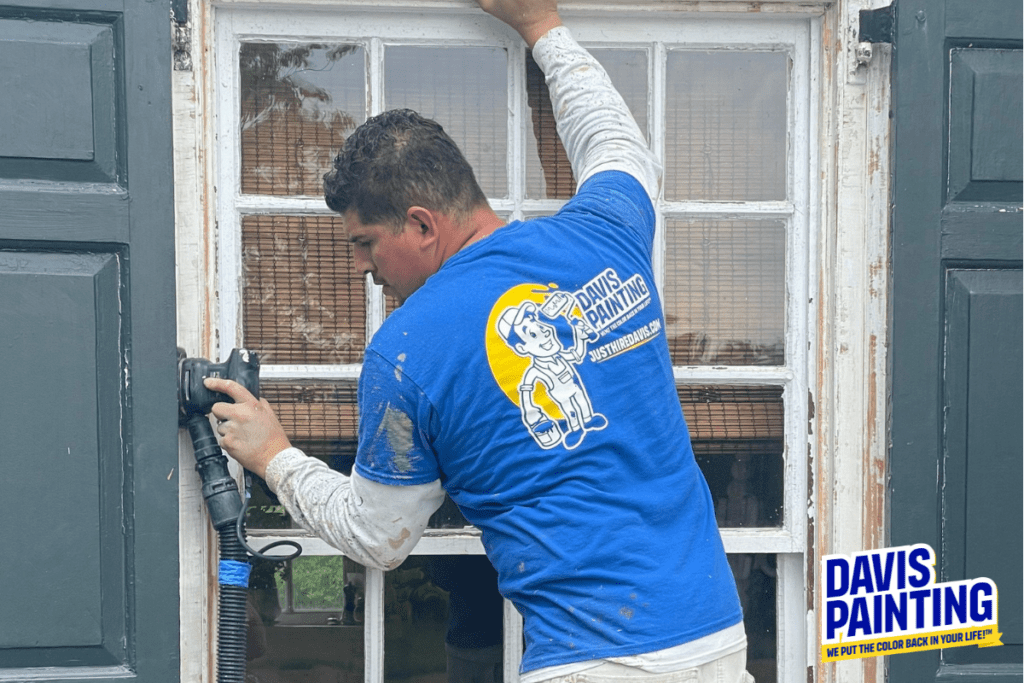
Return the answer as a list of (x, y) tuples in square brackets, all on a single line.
[(181, 36), (181, 46), (878, 25)]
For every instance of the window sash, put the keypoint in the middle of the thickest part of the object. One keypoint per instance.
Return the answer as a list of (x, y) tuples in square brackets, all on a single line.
[(792, 37), (798, 35)]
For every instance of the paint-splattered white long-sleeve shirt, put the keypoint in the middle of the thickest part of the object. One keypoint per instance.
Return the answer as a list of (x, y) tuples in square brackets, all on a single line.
[(377, 524), (374, 524)]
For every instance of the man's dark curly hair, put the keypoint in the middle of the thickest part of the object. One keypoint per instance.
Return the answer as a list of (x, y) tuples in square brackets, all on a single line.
[(396, 160)]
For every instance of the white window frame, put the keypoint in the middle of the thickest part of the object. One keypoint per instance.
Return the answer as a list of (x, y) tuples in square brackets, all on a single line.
[(793, 35), (844, 375)]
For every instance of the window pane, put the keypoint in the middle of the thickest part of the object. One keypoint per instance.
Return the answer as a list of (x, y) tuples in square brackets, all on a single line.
[(298, 104), (548, 175), (725, 284), (726, 129), (321, 418), (442, 621), (448, 516), (628, 71), (756, 583), (465, 90), (306, 620), (737, 436), (302, 302)]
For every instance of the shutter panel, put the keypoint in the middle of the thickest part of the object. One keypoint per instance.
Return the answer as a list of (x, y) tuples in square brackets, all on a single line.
[(88, 429), (956, 333)]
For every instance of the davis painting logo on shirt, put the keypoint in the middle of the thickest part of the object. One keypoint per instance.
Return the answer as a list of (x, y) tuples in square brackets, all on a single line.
[(537, 335), (883, 602), (606, 301)]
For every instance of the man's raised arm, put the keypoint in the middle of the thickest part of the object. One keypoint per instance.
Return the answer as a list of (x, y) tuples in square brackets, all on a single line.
[(594, 123)]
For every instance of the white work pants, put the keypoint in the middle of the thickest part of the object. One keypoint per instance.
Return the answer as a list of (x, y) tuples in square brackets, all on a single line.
[(728, 669)]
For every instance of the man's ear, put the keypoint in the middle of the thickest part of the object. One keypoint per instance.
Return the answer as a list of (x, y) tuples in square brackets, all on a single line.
[(423, 223)]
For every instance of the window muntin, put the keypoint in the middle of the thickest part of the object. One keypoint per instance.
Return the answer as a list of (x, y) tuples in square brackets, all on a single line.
[(788, 45)]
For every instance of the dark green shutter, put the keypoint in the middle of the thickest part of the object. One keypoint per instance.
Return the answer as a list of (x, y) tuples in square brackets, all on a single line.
[(88, 436), (955, 460)]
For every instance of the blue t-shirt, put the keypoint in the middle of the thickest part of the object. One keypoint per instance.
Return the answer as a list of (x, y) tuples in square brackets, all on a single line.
[(531, 374)]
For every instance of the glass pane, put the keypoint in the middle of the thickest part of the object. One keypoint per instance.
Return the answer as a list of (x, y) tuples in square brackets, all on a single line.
[(725, 292), (548, 175), (322, 419), (756, 583), (298, 104), (306, 621), (442, 621), (737, 436), (726, 126), (465, 89), (302, 302)]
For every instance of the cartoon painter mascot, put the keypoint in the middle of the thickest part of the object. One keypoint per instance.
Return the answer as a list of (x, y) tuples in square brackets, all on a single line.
[(538, 332)]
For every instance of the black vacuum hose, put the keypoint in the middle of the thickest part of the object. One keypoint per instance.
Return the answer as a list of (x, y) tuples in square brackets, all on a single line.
[(225, 506), (223, 502), (227, 514), (231, 627)]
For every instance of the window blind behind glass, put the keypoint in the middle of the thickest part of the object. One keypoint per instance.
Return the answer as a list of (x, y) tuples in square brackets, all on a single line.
[(465, 89), (302, 302), (548, 173), (725, 284), (726, 125), (298, 104), (737, 437)]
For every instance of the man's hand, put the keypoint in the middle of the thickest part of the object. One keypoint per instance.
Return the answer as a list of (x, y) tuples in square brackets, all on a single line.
[(249, 430), (530, 18)]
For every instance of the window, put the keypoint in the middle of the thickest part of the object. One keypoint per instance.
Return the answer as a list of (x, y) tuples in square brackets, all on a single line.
[(725, 104)]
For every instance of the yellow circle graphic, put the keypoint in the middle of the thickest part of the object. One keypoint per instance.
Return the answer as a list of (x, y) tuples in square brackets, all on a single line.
[(507, 366)]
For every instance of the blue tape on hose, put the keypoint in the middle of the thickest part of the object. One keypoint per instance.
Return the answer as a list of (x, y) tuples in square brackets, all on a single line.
[(234, 573)]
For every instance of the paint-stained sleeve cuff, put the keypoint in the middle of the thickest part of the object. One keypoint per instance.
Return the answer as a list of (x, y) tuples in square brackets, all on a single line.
[(375, 524)]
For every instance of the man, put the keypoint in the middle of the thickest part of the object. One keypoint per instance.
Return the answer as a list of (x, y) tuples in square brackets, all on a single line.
[(607, 545)]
